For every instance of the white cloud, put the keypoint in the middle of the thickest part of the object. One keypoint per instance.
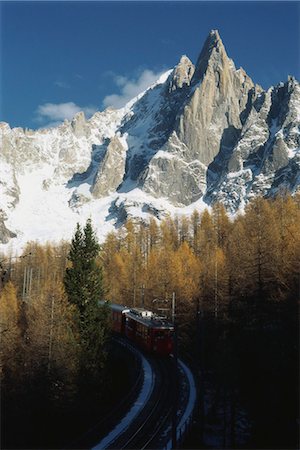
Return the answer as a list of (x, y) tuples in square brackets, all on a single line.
[(130, 88), (62, 84), (58, 112)]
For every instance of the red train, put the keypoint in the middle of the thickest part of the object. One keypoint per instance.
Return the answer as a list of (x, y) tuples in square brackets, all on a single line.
[(149, 331)]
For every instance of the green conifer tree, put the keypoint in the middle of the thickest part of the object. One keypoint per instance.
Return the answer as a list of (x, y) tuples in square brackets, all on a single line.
[(83, 280), (75, 273), (84, 287)]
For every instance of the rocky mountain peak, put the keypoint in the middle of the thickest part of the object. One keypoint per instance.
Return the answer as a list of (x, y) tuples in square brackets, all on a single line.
[(213, 54), (182, 74), (79, 124)]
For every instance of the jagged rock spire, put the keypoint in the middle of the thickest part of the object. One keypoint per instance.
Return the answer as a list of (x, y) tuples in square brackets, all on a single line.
[(212, 53), (182, 74)]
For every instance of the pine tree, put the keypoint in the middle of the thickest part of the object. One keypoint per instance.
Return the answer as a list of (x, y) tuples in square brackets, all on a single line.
[(83, 280), (84, 287), (75, 274)]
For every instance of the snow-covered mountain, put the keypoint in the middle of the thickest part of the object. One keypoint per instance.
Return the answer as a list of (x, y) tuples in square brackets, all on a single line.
[(202, 133)]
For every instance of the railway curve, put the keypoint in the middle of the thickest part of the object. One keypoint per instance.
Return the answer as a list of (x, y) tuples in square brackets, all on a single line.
[(148, 423), (147, 387)]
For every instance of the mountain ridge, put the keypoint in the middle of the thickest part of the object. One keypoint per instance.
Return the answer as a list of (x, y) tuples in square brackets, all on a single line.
[(202, 133)]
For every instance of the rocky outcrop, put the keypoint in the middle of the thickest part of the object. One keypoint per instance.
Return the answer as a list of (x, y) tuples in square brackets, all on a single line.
[(182, 74), (5, 233), (79, 125), (111, 170), (9, 190), (121, 210), (172, 176)]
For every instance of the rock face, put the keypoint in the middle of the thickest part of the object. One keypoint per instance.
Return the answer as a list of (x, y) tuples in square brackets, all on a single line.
[(205, 132), (268, 150), (211, 118), (111, 169), (170, 174), (182, 74), (5, 234)]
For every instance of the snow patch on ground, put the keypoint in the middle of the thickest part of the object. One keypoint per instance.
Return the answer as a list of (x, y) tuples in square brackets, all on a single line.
[(44, 215), (188, 412)]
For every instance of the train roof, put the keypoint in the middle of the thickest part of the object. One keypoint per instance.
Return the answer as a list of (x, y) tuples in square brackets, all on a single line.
[(152, 321), (141, 315), (141, 312), (114, 306), (120, 308)]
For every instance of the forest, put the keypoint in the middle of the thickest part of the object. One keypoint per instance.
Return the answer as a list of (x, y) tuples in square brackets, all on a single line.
[(237, 286), (208, 257)]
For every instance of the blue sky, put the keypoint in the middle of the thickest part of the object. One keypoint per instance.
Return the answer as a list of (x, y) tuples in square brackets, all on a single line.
[(60, 57)]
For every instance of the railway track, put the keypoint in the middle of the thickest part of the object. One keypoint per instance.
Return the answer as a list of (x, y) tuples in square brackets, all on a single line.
[(155, 418), (150, 425)]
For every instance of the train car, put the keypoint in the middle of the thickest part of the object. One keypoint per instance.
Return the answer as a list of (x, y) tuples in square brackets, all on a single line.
[(117, 316), (150, 332), (137, 327)]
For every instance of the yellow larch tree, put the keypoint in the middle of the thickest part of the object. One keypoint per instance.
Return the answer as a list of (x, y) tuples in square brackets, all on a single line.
[(10, 336), (262, 255)]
